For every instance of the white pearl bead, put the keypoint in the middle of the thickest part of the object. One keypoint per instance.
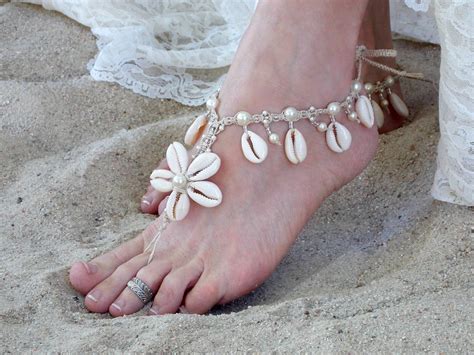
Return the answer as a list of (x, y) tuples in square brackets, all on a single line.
[(243, 118), (369, 88), (384, 103), (356, 87), (389, 80), (291, 114), (352, 116), (274, 138), (334, 108), (179, 181), (322, 127), (211, 104)]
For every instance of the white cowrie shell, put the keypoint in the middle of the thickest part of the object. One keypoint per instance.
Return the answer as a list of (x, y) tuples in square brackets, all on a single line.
[(365, 111), (203, 166), (177, 206), (295, 146), (378, 114), (196, 130), (177, 158), (205, 193), (255, 149), (398, 105), (338, 137), (160, 180)]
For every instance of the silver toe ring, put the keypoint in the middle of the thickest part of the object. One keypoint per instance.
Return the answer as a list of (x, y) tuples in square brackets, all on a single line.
[(140, 289)]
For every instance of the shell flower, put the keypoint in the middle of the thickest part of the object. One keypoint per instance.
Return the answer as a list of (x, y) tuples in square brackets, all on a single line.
[(187, 181)]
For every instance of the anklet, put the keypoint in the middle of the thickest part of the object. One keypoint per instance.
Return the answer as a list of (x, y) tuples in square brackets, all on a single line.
[(188, 181), (383, 88)]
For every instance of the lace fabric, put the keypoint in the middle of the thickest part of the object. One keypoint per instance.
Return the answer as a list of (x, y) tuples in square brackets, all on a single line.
[(161, 49), (165, 49), (454, 179)]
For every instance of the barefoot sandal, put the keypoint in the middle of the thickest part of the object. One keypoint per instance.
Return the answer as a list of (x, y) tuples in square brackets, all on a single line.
[(188, 181)]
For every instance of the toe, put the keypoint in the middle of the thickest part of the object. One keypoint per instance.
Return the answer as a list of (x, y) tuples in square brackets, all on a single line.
[(83, 276), (152, 198), (152, 275), (101, 297), (175, 284), (204, 295), (162, 205)]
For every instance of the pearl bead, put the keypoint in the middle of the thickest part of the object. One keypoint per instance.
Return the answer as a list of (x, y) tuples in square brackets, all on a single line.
[(243, 118), (334, 108), (274, 138), (352, 116), (384, 103), (179, 181), (322, 127), (369, 88), (389, 80), (211, 104), (291, 114), (356, 87)]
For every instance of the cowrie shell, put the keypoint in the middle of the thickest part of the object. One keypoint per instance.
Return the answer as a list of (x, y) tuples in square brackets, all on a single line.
[(255, 149), (196, 130), (365, 111), (160, 180), (338, 137), (295, 146), (177, 206), (203, 166), (177, 158), (378, 114), (205, 193), (398, 105)]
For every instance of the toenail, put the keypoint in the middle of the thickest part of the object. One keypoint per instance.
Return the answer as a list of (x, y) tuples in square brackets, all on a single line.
[(94, 296), (90, 268), (147, 200), (118, 305), (154, 311)]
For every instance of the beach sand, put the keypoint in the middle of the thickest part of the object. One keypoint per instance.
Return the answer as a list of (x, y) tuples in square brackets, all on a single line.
[(381, 267)]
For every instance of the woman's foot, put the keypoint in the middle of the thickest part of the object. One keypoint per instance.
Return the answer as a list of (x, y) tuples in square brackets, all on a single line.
[(291, 55), (375, 32)]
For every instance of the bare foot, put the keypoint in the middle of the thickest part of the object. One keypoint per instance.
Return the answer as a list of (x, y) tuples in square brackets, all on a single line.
[(290, 55)]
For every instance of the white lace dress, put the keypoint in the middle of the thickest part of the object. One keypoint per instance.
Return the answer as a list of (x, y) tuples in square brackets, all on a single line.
[(167, 49)]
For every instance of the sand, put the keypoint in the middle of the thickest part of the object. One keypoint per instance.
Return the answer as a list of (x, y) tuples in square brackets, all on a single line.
[(381, 267)]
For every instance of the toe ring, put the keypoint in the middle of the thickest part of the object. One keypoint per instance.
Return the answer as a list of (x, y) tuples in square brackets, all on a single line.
[(140, 289)]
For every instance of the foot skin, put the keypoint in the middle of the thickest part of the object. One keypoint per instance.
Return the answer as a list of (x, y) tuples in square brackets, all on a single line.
[(216, 255), (375, 32)]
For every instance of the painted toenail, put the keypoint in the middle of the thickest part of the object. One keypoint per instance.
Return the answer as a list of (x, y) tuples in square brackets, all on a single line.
[(94, 296), (117, 305), (154, 311), (90, 268)]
